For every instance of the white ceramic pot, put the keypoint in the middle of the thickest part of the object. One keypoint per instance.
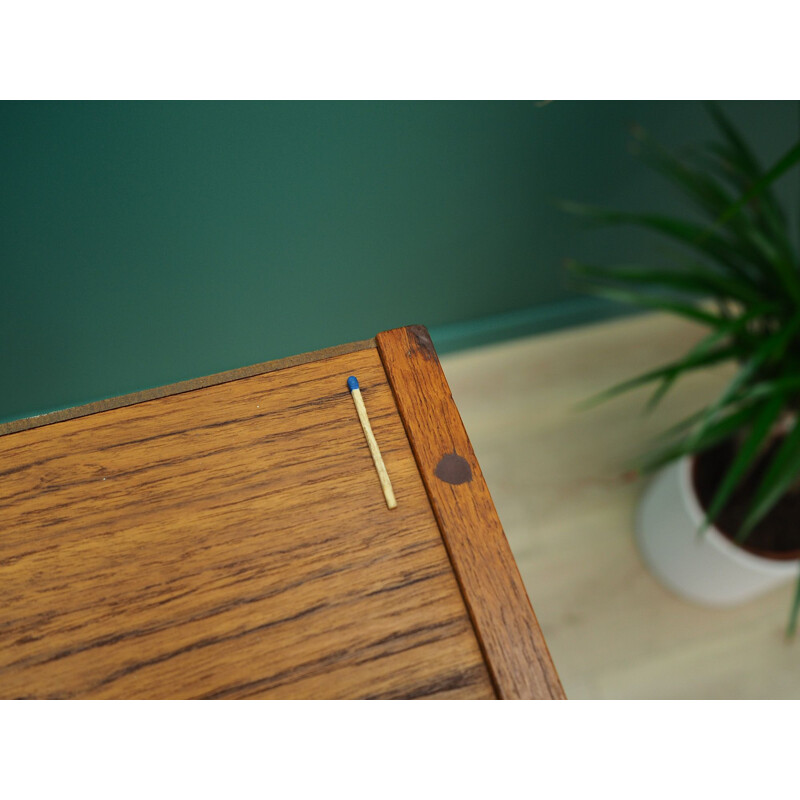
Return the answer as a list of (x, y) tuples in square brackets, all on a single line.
[(708, 569)]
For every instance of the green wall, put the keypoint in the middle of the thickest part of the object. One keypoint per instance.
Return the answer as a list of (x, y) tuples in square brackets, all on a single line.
[(146, 243)]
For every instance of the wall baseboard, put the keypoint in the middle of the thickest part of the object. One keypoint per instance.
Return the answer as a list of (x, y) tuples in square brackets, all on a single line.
[(524, 322)]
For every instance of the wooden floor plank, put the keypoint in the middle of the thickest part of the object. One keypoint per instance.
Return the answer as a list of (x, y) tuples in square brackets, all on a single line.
[(561, 482)]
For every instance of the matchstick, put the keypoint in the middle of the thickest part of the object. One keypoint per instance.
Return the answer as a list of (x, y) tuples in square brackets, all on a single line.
[(386, 484)]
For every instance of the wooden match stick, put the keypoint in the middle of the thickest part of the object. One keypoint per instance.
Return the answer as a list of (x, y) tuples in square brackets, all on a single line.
[(386, 484)]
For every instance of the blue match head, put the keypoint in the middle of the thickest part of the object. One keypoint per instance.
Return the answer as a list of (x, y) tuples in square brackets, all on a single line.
[(352, 383)]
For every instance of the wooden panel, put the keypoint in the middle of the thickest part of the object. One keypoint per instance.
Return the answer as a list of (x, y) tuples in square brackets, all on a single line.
[(182, 386), (231, 541), (512, 641)]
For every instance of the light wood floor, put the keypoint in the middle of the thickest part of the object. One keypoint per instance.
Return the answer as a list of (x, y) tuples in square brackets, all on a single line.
[(560, 481)]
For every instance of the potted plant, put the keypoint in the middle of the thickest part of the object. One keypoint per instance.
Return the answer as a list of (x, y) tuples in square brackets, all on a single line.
[(721, 521)]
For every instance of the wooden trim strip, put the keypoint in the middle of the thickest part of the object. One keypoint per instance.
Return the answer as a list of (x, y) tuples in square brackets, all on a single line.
[(512, 641), (183, 386)]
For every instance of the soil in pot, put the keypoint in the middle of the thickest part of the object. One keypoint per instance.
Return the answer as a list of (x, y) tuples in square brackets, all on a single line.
[(778, 534)]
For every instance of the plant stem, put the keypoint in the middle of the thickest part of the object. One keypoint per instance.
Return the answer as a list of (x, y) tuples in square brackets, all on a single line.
[(791, 628)]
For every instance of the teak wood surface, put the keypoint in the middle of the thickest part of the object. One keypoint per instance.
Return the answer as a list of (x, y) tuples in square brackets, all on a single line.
[(229, 538), (510, 636)]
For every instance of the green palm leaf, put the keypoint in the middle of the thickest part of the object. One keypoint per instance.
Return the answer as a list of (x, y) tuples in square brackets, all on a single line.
[(740, 279), (698, 280), (656, 303), (704, 240), (791, 628), (763, 243), (739, 164), (782, 259), (701, 187), (786, 387), (678, 428), (743, 165), (760, 430), (704, 346), (772, 348), (713, 434), (784, 469), (680, 366)]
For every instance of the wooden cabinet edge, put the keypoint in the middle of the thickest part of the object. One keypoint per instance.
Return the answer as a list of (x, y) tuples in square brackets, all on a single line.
[(121, 401), (505, 623)]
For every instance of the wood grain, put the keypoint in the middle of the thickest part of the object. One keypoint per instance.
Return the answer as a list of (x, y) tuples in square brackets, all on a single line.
[(512, 641), (228, 541), (74, 412)]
